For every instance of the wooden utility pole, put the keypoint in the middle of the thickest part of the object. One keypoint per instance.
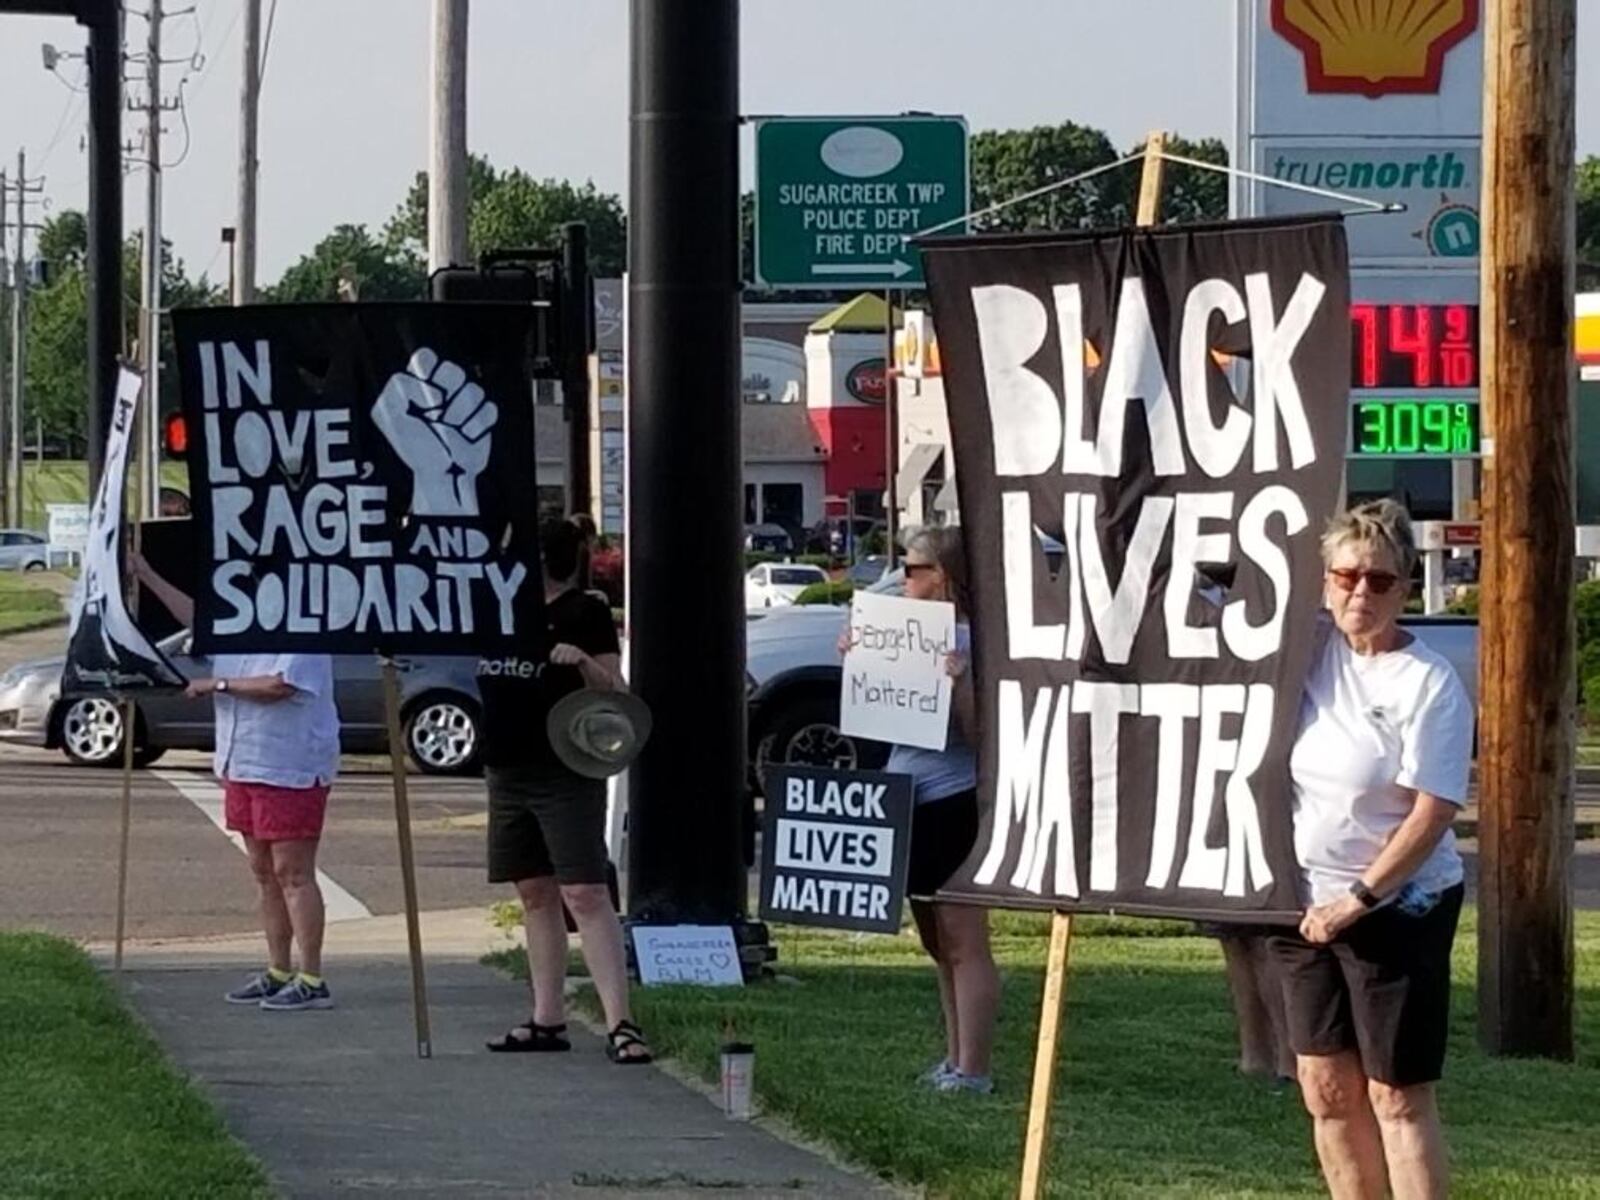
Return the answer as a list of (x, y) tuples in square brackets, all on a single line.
[(244, 244), (147, 504), (1525, 759), (447, 141), (5, 331)]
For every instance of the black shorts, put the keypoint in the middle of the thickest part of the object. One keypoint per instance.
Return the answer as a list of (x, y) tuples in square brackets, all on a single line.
[(1382, 988), (546, 821), (942, 834)]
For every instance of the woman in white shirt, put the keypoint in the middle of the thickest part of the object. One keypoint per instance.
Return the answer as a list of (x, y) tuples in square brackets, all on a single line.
[(1380, 770)]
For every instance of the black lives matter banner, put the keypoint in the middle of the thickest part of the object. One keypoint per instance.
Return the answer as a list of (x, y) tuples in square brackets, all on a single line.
[(363, 476), (1171, 406), (835, 847)]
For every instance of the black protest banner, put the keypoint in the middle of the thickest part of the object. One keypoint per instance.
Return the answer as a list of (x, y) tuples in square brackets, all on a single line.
[(1170, 405), (363, 477), (105, 648), (834, 848)]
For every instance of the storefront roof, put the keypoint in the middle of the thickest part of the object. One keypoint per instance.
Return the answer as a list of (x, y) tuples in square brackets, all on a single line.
[(864, 314)]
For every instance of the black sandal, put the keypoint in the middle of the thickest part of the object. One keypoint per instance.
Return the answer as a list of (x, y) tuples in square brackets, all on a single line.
[(541, 1039), (623, 1039)]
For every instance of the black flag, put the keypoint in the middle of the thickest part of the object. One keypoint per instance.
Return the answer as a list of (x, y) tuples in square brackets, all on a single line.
[(363, 477), (1171, 405), (105, 649)]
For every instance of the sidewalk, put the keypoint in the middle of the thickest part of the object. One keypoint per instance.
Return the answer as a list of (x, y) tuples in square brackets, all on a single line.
[(337, 1103)]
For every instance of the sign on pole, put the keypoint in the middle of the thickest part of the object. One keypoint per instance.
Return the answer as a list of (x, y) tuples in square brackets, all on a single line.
[(837, 197)]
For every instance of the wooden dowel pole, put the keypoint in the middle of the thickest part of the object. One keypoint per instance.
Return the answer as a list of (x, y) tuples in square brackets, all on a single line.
[(408, 867), (1044, 1060)]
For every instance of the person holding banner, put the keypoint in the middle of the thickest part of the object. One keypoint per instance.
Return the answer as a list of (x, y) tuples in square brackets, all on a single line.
[(944, 827), (277, 752), (1380, 769), (547, 823)]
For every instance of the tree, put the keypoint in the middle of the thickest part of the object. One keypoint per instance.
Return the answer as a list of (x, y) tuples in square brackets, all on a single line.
[(512, 210), (1589, 221), (1188, 194), (1007, 163), (381, 271)]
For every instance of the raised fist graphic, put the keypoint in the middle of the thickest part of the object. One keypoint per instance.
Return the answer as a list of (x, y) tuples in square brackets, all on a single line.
[(439, 425)]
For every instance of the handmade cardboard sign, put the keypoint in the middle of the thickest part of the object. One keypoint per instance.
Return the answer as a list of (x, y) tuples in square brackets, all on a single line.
[(895, 687)]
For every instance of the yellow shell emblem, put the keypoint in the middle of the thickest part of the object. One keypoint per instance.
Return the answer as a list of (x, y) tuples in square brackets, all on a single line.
[(1374, 47)]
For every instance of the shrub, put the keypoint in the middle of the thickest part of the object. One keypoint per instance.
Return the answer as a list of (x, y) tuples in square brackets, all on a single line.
[(834, 592)]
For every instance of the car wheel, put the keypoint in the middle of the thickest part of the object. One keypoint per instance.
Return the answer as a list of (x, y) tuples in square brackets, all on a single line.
[(442, 736), (91, 732), (35, 565), (805, 733)]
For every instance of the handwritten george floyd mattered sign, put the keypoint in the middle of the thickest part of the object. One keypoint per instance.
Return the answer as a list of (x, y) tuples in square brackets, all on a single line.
[(362, 476), (1170, 405), (895, 686)]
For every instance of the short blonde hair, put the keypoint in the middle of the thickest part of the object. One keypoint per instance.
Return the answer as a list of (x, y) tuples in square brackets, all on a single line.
[(1376, 523)]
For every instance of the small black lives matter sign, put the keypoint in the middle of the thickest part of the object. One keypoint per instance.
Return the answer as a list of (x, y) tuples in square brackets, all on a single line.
[(834, 848), (1170, 405), (363, 477)]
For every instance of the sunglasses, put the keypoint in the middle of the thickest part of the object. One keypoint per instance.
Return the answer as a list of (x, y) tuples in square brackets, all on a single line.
[(914, 568), (1346, 579)]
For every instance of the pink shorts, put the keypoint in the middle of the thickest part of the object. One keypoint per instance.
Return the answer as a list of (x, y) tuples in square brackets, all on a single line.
[(274, 814)]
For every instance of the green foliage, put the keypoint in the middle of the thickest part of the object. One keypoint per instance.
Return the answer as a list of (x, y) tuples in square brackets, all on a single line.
[(1588, 214), (836, 591), (1007, 163), (380, 270), (1188, 194), (92, 1108), (512, 210), (26, 605), (1586, 608)]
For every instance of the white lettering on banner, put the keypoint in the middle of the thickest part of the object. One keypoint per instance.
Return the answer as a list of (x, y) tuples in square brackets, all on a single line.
[(895, 685), (855, 798), (249, 446), (1034, 428), (827, 846), (1033, 800)]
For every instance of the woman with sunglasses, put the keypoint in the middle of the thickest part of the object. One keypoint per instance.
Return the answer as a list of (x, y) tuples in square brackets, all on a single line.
[(1379, 769), (944, 827)]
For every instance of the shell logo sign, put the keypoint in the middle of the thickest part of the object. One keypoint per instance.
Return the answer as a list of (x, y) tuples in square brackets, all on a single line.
[(1374, 47)]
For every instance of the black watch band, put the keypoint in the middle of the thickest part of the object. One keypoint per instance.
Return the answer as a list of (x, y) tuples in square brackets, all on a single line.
[(1368, 897)]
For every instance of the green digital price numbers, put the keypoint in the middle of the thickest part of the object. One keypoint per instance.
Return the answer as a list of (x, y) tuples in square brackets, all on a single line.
[(1384, 427)]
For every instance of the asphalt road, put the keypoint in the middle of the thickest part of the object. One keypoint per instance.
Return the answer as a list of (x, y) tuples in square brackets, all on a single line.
[(58, 852)]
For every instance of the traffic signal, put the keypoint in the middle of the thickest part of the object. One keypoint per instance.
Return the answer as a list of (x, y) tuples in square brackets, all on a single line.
[(175, 435)]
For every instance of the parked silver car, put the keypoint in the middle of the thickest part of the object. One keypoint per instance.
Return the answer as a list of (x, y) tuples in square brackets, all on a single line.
[(23, 550), (439, 712)]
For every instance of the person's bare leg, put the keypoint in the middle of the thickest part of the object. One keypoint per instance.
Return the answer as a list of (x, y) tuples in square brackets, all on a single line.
[(547, 947), (1258, 1051), (603, 952), (926, 919), (295, 865), (274, 916), (964, 942), (1413, 1140), (1346, 1132)]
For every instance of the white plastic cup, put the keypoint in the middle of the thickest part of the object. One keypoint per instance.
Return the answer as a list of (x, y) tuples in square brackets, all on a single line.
[(738, 1080)]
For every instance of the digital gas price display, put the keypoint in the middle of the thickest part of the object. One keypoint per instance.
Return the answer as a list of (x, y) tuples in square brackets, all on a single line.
[(1426, 427), (1413, 345)]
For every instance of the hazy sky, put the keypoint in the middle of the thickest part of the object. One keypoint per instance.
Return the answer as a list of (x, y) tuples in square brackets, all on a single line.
[(344, 100)]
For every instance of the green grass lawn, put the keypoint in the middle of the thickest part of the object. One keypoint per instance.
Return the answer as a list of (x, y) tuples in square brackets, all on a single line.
[(24, 604), (88, 1106), (66, 481), (1148, 1102)]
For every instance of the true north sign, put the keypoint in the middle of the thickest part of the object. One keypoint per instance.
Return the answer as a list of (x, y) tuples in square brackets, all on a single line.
[(834, 848), (362, 476), (1170, 405)]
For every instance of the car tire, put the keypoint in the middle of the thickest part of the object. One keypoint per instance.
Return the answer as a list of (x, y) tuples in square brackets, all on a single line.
[(805, 732), (35, 565), (91, 732), (443, 734)]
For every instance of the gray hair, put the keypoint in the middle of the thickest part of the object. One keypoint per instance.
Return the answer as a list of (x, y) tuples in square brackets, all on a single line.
[(1376, 523), (942, 544)]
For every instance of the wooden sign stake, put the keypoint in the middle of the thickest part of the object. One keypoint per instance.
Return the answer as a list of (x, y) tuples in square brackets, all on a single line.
[(1055, 976), (408, 867)]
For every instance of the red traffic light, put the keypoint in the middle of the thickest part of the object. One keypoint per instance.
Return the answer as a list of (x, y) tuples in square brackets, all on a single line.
[(175, 435)]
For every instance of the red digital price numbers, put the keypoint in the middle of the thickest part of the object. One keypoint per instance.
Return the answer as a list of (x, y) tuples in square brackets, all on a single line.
[(1414, 345)]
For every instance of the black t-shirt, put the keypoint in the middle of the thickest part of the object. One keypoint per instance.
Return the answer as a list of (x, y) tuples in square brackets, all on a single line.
[(519, 692)]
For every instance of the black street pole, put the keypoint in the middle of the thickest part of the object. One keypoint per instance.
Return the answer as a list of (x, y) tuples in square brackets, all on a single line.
[(577, 343), (686, 791), (105, 224)]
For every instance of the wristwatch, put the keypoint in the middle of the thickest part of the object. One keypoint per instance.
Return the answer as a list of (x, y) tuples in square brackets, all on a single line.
[(1368, 897), (221, 685)]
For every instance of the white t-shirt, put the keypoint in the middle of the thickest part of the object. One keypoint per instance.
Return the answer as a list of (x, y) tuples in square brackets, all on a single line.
[(291, 743), (1373, 729)]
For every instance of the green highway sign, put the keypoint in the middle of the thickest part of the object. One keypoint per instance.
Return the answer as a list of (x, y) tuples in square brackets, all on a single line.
[(837, 197)]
